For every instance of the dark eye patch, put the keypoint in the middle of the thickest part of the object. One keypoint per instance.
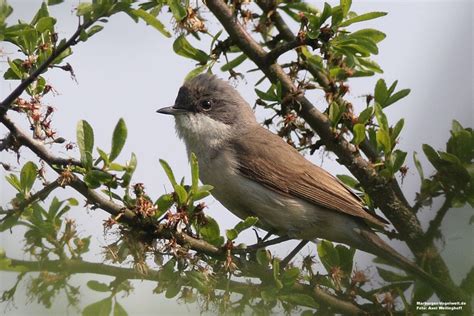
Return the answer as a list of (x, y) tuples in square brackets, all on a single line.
[(185, 99)]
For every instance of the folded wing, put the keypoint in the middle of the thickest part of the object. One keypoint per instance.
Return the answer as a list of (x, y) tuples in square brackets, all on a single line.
[(279, 167)]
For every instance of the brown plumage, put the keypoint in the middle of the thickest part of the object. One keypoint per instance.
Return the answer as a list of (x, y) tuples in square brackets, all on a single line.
[(297, 176)]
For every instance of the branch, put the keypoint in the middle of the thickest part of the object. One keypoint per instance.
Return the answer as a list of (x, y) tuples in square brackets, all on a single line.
[(281, 49), (435, 224), (339, 305), (73, 266), (6, 103), (120, 212), (35, 145)]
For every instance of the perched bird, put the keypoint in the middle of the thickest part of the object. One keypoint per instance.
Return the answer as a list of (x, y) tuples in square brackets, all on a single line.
[(255, 173)]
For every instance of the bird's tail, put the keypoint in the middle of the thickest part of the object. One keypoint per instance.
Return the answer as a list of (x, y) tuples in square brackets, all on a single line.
[(372, 243)]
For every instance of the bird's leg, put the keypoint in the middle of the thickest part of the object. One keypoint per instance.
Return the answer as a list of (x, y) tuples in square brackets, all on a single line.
[(268, 234), (293, 253), (264, 244)]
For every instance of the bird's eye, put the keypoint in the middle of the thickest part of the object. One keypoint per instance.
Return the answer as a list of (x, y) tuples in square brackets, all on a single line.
[(206, 105)]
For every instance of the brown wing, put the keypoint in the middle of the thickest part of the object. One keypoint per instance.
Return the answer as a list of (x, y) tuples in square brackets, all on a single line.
[(281, 168)]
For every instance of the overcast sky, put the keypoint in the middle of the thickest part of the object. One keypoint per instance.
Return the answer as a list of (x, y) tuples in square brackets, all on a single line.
[(129, 70)]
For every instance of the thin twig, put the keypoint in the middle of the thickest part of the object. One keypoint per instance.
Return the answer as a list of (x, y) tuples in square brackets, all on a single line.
[(6, 103), (40, 195)]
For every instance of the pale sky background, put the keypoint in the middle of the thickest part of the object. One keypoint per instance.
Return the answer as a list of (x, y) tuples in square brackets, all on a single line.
[(129, 70)]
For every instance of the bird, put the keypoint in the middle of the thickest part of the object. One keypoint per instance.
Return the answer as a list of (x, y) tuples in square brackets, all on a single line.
[(254, 172)]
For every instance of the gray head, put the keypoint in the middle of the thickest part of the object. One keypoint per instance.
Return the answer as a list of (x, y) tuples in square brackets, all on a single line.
[(210, 96), (209, 108)]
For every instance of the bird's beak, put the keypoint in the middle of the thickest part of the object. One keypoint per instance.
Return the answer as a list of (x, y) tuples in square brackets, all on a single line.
[(171, 110)]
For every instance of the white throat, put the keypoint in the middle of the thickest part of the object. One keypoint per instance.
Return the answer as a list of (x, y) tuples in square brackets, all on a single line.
[(201, 134)]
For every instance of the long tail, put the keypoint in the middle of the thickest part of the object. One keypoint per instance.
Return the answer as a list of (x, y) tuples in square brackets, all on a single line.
[(375, 245)]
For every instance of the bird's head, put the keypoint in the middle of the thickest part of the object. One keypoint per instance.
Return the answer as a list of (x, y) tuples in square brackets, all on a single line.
[(207, 109)]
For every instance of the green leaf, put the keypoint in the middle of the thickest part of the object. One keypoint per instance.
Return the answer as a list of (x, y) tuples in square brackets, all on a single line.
[(42, 12), (151, 20), (290, 276), (456, 127), (167, 273), (234, 63), (395, 132), (383, 139), (231, 234), (299, 299), (397, 96), (398, 157), (276, 273), (348, 180), (247, 223), (164, 202), (103, 156), (345, 5), (375, 35), (129, 170), (173, 289), (98, 286), (328, 255), (418, 166), (100, 308), (118, 139), (381, 93), (28, 176), (85, 142), (359, 134), (14, 181), (336, 15), (432, 155), (263, 257), (267, 96), (53, 2), (362, 17), (392, 87), (366, 115), (166, 167), (181, 193), (178, 10), (95, 178), (8, 222), (381, 118), (119, 310), (210, 232), (196, 71), (335, 113), (327, 11), (45, 23), (84, 8), (182, 47), (94, 29), (346, 258)]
